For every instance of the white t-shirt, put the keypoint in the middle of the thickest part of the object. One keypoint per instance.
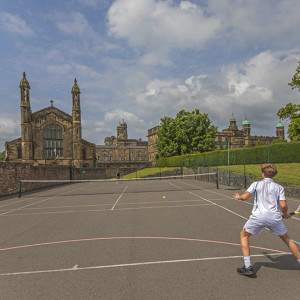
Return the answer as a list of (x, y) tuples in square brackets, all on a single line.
[(267, 195)]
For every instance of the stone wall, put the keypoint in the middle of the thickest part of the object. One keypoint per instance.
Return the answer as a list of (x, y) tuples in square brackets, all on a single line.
[(11, 173)]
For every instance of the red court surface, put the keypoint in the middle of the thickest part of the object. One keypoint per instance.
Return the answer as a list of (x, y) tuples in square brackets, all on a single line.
[(84, 242)]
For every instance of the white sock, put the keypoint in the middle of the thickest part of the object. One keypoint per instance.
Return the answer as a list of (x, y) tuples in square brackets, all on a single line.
[(298, 261), (247, 261)]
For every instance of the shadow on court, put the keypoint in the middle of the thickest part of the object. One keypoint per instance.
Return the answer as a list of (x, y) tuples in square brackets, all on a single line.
[(283, 262)]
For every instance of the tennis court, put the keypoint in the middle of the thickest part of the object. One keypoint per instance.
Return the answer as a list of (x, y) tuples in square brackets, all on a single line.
[(159, 239)]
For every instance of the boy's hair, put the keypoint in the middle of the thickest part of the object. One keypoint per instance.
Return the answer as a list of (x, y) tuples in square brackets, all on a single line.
[(269, 170)]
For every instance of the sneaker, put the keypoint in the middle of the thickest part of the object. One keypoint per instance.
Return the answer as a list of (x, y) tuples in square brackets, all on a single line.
[(246, 271)]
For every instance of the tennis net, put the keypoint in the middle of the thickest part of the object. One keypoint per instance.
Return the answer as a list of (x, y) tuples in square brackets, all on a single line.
[(119, 186)]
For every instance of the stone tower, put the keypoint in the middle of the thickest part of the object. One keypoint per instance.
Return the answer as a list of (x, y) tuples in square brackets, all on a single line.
[(280, 131), (122, 131), (246, 127), (232, 124), (76, 115), (26, 150)]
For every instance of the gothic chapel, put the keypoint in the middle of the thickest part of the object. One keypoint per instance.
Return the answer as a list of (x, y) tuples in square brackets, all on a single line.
[(50, 135)]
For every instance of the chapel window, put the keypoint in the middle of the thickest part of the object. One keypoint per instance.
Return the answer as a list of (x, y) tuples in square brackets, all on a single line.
[(53, 141)]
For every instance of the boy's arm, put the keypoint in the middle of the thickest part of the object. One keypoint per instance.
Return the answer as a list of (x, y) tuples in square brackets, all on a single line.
[(284, 208), (243, 197)]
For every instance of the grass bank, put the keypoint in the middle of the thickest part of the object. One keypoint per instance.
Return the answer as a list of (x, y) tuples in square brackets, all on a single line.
[(289, 173), (147, 172)]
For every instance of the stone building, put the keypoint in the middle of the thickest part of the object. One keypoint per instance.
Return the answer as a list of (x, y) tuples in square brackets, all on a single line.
[(50, 135), (120, 149), (152, 139), (240, 138)]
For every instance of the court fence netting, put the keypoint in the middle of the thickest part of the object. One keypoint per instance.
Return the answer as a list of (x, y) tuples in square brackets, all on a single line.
[(45, 188)]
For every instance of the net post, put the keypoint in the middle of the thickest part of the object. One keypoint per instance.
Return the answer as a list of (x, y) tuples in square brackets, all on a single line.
[(19, 188), (217, 179)]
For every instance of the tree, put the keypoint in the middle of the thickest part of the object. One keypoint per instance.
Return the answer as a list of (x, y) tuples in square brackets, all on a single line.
[(188, 132), (2, 155), (295, 83), (292, 112)]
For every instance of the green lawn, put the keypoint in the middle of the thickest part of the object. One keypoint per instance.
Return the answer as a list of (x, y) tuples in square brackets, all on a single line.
[(289, 173), (148, 171)]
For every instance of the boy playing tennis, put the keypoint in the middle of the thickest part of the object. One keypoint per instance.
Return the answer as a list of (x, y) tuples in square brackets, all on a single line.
[(269, 208)]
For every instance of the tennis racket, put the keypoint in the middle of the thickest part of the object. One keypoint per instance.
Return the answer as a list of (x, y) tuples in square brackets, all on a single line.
[(296, 212)]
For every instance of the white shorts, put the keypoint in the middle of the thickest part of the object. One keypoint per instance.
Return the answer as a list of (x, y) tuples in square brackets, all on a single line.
[(257, 223)]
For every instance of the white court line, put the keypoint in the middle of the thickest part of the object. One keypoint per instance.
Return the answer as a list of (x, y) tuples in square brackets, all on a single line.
[(119, 197), (76, 268), (37, 202), (107, 204), (210, 201), (219, 206), (99, 210), (30, 198)]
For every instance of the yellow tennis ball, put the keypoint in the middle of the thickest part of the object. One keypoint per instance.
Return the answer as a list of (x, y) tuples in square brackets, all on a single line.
[(164, 197)]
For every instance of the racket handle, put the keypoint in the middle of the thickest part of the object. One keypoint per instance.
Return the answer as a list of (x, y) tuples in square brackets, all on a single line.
[(292, 213)]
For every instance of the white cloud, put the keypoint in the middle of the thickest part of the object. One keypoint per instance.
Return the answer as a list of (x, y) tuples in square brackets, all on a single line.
[(256, 88), (118, 115), (257, 22), (14, 24), (160, 26), (74, 24), (9, 130)]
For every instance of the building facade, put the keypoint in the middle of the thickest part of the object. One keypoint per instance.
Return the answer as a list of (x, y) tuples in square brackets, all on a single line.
[(152, 139), (120, 149), (243, 138), (50, 135)]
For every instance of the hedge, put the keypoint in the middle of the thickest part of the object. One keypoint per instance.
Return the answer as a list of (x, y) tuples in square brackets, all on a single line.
[(273, 153)]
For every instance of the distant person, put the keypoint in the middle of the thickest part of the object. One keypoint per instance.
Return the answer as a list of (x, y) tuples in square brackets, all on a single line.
[(268, 210), (118, 175)]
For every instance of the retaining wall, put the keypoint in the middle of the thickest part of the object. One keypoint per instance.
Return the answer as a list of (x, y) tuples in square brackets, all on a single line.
[(11, 173)]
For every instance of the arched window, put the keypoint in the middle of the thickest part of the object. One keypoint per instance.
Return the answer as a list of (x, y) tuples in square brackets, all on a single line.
[(83, 154), (53, 141), (19, 152)]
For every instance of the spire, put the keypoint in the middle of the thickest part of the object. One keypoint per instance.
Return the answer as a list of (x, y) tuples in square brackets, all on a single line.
[(246, 121), (24, 83), (232, 117), (75, 88), (279, 124)]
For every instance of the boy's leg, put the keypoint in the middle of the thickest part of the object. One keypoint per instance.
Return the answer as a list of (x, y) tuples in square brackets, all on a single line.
[(247, 269), (292, 246), (244, 238)]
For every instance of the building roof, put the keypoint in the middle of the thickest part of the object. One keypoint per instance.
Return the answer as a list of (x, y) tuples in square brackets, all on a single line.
[(279, 125), (246, 122)]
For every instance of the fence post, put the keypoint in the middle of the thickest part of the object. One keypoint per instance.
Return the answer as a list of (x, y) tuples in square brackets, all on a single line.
[(245, 178), (228, 162), (217, 174), (269, 153), (20, 188), (71, 171)]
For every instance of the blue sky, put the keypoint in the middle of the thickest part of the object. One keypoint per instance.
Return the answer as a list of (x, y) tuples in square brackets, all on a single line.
[(140, 60)]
